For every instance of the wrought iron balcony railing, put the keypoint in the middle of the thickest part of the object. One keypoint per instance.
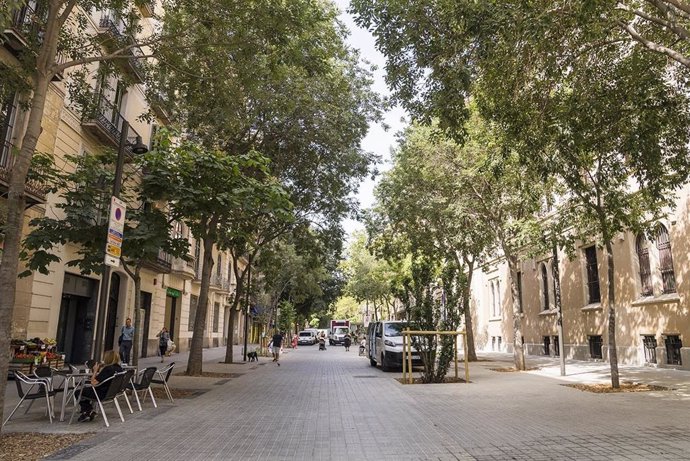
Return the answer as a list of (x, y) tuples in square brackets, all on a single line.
[(105, 121)]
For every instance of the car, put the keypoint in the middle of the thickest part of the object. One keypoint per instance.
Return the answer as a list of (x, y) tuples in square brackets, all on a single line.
[(306, 337), (384, 345)]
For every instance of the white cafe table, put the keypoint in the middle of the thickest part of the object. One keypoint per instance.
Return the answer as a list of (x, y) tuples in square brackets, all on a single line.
[(77, 381)]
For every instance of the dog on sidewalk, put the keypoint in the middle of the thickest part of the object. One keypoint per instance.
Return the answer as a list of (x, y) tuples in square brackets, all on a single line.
[(253, 356)]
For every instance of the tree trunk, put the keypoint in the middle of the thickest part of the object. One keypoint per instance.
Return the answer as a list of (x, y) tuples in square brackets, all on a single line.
[(613, 354), (469, 331), (134, 359), (239, 279), (195, 362), (16, 203), (518, 349)]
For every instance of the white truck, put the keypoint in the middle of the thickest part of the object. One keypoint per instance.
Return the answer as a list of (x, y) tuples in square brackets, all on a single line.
[(339, 329)]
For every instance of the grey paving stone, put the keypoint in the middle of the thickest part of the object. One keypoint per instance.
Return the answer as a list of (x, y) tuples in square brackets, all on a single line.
[(320, 406)]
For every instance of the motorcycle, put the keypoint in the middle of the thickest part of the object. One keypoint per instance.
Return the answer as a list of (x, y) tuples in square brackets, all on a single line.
[(322, 344)]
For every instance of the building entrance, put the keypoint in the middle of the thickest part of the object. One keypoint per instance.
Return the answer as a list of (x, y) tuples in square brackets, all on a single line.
[(76, 321)]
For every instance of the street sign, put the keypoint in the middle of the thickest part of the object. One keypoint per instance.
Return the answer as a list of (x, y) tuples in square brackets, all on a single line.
[(116, 227)]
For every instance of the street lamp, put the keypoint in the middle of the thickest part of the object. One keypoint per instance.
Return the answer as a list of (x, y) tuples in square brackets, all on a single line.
[(138, 147)]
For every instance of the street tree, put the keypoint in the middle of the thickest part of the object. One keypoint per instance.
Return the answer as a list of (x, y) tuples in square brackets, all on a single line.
[(592, 94), (280, 81), (424, 202), (82, 222), (368, 278), (209, 191), (57, 43)]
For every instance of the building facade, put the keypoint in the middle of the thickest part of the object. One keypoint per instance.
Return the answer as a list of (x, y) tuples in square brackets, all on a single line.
[(652, 290), (63, 304)]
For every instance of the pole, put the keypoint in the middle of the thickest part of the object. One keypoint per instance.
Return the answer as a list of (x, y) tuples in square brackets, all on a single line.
[(467, 365), (557, 300), (246, 312), (409, 357), (107, 270)]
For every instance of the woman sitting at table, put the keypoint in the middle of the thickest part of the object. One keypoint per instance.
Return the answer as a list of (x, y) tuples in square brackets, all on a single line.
[(101, 372)]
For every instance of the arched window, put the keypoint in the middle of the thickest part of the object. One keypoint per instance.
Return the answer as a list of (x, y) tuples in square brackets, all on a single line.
[(663, 244), (544, 287), (642, 248)]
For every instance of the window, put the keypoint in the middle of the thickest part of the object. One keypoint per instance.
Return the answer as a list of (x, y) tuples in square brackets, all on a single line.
[(7, 115), (673, 345), (556, 347), (544, 287), (519, 289), (153, 143), (495, 286), (219, 266), (663, 244), (595, 347), (193, 302), (547, 345), (216, 316), (493, 343), (197, 258), (593, 294), (642, 248), (649, 343), (500, 340)]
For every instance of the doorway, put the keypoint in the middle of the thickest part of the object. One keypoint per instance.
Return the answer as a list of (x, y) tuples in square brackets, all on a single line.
[(146, 321), (170, 315), (76, 320)]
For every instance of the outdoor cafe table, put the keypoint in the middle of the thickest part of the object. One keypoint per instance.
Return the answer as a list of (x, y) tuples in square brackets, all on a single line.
[(77, 380)]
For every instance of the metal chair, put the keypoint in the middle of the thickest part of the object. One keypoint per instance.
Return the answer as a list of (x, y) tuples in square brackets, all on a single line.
[(43, 392), (144, 384), (162, 377), (129, 374), (114, 386)]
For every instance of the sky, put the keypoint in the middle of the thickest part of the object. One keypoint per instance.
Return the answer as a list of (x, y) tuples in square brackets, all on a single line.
[(378, 140)]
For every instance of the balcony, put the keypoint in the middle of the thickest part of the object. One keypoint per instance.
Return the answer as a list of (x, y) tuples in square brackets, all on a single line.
[(162, 264), (183, 269), (23, 27), (116, 33), (34, 191), (147, 7), (221, 283), (159, 104), (104, 121)]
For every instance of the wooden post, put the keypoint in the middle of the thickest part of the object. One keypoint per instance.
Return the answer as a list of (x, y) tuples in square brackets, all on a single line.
[(409, 356), (455, 355), (467, 366), (403, 357)]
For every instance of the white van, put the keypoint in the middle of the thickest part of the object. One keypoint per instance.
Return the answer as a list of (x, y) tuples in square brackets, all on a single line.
[(384, 345)]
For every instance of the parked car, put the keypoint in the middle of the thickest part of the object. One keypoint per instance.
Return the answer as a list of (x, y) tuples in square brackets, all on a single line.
[(384, 345), (306, 337)]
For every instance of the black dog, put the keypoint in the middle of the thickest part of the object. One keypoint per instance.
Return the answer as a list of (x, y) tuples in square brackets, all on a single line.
[(253, 356)]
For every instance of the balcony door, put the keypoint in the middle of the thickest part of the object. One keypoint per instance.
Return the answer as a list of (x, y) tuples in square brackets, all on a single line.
[(7, 116)]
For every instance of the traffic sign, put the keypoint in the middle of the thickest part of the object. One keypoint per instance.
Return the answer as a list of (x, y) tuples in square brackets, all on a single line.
[(116, 227)]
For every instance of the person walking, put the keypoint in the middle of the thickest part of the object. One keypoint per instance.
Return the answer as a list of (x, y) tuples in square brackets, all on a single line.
[(347, 342), (163, 338), (277, 342), (126, 340)]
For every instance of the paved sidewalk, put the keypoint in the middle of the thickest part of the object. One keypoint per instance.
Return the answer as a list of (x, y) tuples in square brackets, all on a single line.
[(333, 405), (37, 421)]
